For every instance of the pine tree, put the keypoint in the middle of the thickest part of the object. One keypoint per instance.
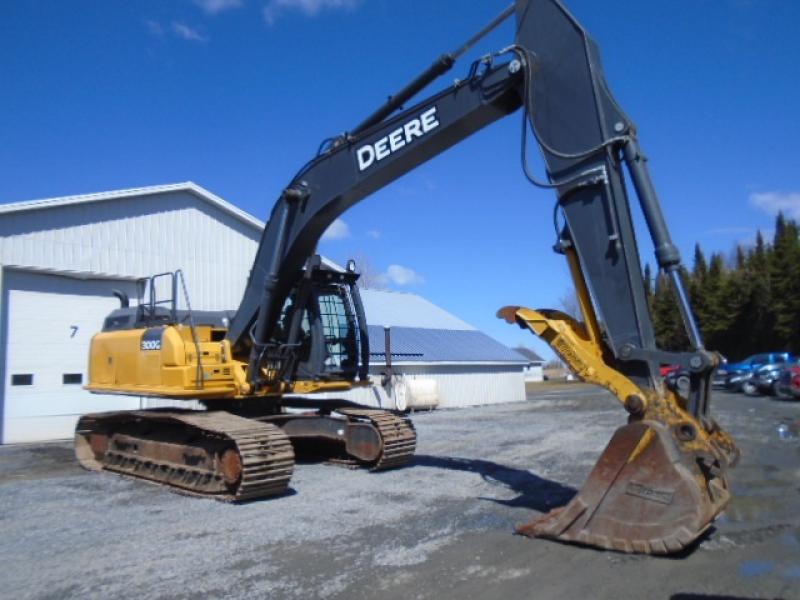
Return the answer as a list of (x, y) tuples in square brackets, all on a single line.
[(700, 267), (758, 307), (667, 322), (748, 306), (734, 324), (741, 258), (784, 272), (648, 285), (697, 290), (718, 310)]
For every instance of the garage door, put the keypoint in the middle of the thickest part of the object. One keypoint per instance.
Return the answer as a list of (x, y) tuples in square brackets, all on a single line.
[(47, 323)]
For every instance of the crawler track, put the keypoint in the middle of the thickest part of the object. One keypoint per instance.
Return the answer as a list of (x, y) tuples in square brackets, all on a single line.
[(397, 433), (210, 454)]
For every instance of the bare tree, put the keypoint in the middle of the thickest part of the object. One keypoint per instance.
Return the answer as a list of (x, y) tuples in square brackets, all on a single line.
[(553, 363), (370, 276), (568, 303)]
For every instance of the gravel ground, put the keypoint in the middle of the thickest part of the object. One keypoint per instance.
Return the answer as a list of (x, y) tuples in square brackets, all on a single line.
[(442, 528)]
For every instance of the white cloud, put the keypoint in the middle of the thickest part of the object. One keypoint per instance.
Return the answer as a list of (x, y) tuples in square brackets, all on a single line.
[(774, 202), (311, 8), (187, 33), (374, 234), (154, 27), (400, 275), (338, 230), (212, 7)]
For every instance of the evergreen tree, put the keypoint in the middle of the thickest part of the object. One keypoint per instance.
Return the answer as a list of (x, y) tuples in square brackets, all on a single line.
[(648, 285), (748, 306), (783, 271), (698, 294), (716, 319), (734, 326), (759, 305), (741, 258), (669, 329), (700, 267)]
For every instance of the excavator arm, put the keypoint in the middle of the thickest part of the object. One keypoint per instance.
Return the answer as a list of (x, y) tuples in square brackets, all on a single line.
[(661, 481)]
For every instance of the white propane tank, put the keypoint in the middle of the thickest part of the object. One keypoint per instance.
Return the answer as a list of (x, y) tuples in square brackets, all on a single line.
[(399, 394), (416, 394)]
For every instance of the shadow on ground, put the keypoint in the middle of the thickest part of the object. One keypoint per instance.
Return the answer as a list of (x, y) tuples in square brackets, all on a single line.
[(690, 596), (533, 491)]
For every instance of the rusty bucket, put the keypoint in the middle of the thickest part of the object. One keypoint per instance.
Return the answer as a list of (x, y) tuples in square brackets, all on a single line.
[(646, 494)]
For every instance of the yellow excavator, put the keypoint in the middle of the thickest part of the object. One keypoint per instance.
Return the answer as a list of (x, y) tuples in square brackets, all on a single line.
[(300, 327)]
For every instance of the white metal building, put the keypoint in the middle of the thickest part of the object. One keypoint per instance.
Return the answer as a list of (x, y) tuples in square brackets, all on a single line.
[(59, 260), (534, 371), (61, 257)]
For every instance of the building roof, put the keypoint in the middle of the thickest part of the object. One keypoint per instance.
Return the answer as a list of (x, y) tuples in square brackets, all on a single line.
[(529, 354), (423, 332), (418, 344), (186, 186), (404, 309)]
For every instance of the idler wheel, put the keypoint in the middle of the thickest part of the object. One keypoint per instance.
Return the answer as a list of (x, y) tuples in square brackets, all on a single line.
[(231, 466), (98, 442)]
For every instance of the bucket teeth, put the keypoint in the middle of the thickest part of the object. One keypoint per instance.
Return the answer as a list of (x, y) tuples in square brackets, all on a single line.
[(645, 494)]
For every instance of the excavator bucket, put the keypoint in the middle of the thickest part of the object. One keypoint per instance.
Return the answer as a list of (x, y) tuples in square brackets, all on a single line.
[(644, 495), (660, 482)]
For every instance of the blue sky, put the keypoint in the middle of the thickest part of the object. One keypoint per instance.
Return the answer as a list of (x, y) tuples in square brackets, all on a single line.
[(237, 94)]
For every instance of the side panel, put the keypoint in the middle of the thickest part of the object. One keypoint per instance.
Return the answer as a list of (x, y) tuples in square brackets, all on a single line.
[(161, 361)]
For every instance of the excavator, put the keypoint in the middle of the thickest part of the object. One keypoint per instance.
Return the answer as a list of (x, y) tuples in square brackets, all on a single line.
[(300, 328)]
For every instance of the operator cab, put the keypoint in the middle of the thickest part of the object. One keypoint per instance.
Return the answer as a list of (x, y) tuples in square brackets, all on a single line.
[(323, 326)]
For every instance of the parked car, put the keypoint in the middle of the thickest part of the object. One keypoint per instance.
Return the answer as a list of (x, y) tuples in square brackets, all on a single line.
[(734, 375), (668, 370), (788, 384), (764, 380), (670, 373), (718, 380), (735, 382)]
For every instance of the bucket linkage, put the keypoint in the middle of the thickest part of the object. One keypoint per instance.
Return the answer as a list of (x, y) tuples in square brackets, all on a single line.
[(660, 482)]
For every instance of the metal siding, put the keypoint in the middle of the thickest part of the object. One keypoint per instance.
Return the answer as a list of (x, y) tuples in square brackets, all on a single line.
[(3, 345), (458, 386), (534, 373), (138, 236)]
